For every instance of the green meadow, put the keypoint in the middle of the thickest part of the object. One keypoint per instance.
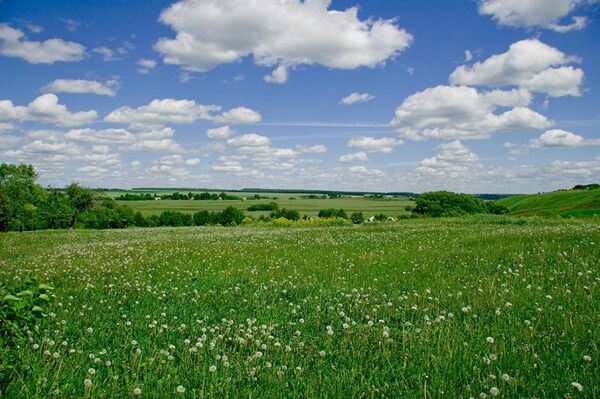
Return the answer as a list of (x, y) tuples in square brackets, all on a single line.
[(473, 307), (566, 203), (306, 206)]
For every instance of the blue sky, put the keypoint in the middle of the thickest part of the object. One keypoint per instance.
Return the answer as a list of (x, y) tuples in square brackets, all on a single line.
[(388, 95)]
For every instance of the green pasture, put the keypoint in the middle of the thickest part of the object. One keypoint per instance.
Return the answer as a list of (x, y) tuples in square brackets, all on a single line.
[(576, 203), (369, 206), (430, 308)]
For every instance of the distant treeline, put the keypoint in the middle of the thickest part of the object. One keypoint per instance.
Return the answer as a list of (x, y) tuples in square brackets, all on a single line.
[(25, 205), (272, 206), (593, 186), (206, 196), (445, 203), (329, 193), (493, 197)]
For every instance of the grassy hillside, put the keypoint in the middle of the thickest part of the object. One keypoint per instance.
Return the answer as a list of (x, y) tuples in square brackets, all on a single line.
[(424, 308), (577, 203)]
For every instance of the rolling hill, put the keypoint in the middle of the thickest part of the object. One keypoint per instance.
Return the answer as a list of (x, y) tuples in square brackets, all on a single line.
[(576, 203)]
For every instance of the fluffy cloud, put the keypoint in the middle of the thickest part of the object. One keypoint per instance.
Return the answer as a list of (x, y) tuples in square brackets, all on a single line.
[(362, 170), (106, 53), (355, 97), (45, 109), (151, 140), (550, 138), (463, 112), (161, 145), (312, 149), (236, 168), (239, 116), (371, 144), (106, 136), (533, 13), (14, 44), (145, 66), (453, 160), (172, 166), (534, 177), (6, 127), (278, 75), (160, 112), (219, 133), (249, 140), (559, 138), (528, 63), (355, 157), (276, 32), (42, 147), (80, 86)]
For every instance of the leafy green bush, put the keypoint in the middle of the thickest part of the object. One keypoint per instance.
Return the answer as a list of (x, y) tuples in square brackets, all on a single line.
[(445, 203), (230, 216), (380, 217), (22, 306), (289, 214), (333, 213), (272, 206), (357, 217)]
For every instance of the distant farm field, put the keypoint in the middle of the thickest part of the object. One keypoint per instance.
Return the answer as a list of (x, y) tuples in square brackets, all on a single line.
[(453, 308), (306, 206)]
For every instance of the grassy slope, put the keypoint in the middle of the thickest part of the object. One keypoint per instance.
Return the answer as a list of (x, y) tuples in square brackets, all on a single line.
[(578, 203), (531, 285)]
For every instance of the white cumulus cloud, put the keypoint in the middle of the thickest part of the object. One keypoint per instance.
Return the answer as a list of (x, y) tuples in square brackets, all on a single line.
[(159, 112), (275, 33), (219, 133), (372, 144), (355, 97), (453, 160), (550, 138), (45, 109), (278, 75), (362, 170), (13, 43), (239, 115), (533, 13), (355, 157), (463, 112), (528, 63), (249, 140), (145, 66), (81, 86)]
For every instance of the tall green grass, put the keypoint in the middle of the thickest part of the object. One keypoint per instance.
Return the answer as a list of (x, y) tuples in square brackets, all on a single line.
[(449, 308), (576, 203)]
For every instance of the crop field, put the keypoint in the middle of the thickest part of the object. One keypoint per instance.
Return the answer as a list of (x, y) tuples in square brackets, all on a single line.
[(451, 308), (306, 206)]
